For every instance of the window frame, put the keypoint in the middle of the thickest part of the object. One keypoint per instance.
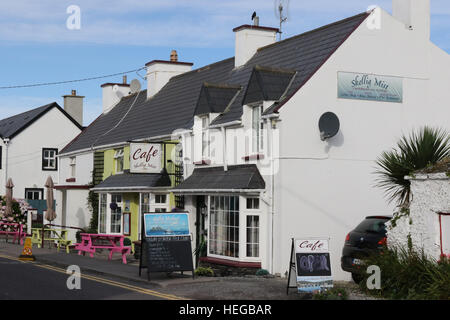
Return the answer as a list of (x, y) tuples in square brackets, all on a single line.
[(258, 132), (73, 166), (119, 154), (119, 222), (205, 136), (55, 158), (40, 190)]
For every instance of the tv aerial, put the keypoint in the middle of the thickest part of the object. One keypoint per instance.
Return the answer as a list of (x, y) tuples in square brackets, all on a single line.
[(328, 125), (281, 8)]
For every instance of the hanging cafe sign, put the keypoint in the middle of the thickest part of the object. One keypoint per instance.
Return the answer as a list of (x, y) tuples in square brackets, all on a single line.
[(145, 158), (363, 86)]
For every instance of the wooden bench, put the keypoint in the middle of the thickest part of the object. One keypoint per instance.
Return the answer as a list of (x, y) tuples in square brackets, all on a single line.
[(57, 235), (13, 229), (91, 242)]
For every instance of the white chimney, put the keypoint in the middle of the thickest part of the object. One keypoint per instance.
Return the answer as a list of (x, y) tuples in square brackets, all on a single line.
[(249, 39), (113, 92), (415, 14), (73, 105), (159, 72)]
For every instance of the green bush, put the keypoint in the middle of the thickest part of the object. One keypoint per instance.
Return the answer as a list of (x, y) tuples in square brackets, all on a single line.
[(262, 272), (205, 272), (406, 274), (331, 294)]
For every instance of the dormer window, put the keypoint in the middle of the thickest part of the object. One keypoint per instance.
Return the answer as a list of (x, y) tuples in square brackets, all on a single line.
[(118, 160), (205, 137), (257, 129)]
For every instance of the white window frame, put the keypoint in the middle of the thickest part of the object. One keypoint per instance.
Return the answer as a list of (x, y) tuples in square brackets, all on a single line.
[(120, 205), (73, 167), (258, 131), (119, 158), (100, 202), (206, 139), (49, 158)]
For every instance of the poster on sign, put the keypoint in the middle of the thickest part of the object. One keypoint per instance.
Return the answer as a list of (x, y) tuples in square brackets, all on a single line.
[(312, 262), (145, 158)]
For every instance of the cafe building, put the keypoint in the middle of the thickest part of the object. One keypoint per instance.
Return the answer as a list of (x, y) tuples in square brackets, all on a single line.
[(253, 167)]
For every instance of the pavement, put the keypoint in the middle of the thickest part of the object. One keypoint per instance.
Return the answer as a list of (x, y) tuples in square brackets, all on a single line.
[(183, 285)]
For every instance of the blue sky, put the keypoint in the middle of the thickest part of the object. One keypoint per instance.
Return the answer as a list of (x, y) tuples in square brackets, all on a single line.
[(121, 35)]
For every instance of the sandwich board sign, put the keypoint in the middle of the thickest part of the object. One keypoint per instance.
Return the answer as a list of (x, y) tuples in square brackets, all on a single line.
[(310, 260), (166, 243)]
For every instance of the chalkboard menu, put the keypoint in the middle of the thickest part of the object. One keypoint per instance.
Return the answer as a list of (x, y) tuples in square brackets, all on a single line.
[(310, 258), (166, 243)]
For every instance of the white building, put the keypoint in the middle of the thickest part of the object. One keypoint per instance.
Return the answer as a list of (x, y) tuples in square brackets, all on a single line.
[(30, 143), (257, 169)]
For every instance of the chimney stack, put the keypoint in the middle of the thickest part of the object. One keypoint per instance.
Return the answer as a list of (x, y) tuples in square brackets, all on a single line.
[(159, 72), (249, 38), (415, 14), (73, 105), (113, 92)]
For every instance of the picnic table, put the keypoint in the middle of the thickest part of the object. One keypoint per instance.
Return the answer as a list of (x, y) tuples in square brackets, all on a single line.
[(114, 243), (14, 229), (51, 234)]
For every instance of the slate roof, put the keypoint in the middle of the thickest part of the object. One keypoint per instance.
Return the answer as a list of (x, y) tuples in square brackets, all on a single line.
[(174, 106), (215, 98), (237, 177), (12, 126), (136, 181)]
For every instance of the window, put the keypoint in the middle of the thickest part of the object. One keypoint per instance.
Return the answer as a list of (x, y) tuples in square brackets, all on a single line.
[(153, 203), (257, 129), (252, 236), (118, 159), (49, 160), (224, 226), (102, 213), (1, 156), (145, 203), (253, 203), (116, 214), (73, 162), (33, 194), (205, 137), (160, 198)]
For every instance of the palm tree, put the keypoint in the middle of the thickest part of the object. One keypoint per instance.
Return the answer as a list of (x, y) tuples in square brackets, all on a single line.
[(421, 149)]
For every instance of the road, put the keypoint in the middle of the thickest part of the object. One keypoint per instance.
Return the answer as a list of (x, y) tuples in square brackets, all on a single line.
[(29, 280)]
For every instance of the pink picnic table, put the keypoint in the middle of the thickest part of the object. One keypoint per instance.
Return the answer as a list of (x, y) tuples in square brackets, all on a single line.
[(16, 230), (114, 243)]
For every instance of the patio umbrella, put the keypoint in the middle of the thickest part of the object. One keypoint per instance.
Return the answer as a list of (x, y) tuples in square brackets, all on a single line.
[(50, 215), (9, 196)]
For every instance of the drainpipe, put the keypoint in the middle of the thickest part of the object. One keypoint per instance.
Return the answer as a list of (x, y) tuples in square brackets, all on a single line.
[(6, 142), (224, 134)]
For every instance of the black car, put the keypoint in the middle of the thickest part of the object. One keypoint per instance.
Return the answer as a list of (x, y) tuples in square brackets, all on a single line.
[(368, 237)]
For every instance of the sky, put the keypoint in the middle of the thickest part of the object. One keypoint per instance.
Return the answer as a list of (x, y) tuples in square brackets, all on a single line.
[(36, 46)]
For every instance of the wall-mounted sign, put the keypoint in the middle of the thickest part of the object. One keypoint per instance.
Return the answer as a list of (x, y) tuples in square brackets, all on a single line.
[(145, 158), (166, 224), (312, 262), (363, 86)]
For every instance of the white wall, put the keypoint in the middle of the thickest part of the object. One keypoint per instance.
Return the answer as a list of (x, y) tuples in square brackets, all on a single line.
[(52, 130), (327, 188), (430, 196), (83, 170)]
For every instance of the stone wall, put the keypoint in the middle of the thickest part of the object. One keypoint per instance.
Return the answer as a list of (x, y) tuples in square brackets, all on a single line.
[(430, 195)]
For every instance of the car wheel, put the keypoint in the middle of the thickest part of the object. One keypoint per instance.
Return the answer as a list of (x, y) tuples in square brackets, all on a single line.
[(357, 277)]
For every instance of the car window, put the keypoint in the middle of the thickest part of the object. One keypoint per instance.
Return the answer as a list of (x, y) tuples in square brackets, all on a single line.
[(372, 225)]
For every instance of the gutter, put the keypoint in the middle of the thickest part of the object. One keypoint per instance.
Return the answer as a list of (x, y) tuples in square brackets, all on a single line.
[(226, 124), (216, 191)]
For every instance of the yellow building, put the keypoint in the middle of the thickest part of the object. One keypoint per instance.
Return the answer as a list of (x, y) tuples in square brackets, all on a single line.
[(137, 179)]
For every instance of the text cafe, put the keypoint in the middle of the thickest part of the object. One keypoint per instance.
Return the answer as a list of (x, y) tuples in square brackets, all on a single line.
[(136, 180)]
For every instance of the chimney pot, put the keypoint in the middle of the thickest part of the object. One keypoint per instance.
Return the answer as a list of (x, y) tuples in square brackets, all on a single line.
[(174, 56), (124, 79), (74, 92)]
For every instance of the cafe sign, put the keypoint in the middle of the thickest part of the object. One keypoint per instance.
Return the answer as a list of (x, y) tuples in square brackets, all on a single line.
[(312, 262), (145, 158), (364, 86)]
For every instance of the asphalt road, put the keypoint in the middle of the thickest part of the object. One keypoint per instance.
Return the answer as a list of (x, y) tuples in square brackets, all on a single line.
[(30, 281)]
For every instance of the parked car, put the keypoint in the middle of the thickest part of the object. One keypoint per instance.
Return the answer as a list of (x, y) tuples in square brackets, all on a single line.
[(368, 237)]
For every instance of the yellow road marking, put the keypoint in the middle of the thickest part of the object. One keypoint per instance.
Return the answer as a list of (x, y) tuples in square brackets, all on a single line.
[(105, 281)]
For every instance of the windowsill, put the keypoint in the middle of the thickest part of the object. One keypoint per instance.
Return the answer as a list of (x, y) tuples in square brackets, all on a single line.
[(70, 180), (232, 263), (258, 156), (202, 162), (49, 169)]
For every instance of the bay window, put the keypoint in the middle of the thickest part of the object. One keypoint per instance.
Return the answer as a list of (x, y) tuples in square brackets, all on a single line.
[(252, 236), (116, 214), (102, 213)]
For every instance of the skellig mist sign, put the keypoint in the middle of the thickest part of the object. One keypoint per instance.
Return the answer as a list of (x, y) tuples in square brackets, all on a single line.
[(145, 158), (363, 86), (312, 261)]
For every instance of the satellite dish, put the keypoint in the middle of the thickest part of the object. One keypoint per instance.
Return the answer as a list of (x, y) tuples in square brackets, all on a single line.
[(135, 86), (115, 88), (328, 125)]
